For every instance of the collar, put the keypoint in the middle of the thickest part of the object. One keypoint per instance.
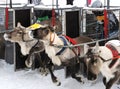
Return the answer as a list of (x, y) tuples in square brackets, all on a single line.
[(52, 38)]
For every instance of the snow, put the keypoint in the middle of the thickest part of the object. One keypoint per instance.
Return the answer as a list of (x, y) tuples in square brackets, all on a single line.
[(31, 79)]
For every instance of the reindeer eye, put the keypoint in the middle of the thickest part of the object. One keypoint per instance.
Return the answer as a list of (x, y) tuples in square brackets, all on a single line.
[(20, 32)]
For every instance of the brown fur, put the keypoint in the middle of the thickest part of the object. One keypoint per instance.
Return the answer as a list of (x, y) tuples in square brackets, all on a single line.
[(82, 39), (58, 24)]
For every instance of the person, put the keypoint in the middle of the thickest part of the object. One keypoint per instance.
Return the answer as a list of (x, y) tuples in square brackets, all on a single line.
[(113, 21)]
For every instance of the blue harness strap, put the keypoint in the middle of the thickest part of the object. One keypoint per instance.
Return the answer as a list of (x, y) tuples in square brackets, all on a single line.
[(65, 43)]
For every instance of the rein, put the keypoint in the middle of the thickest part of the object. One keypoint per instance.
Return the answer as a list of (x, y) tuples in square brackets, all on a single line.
[(114, 51), (103, 58), (35, 44), (112, 62)]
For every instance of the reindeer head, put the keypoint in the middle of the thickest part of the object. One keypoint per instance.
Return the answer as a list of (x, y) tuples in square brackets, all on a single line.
[(41, 32), (18, 34), (92, 60)]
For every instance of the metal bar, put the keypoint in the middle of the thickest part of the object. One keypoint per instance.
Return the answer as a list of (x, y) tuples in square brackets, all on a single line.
[(87, 43), (108, 4)]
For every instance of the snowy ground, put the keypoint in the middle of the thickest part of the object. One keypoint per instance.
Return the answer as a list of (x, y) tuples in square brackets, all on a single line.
[(29, 79)]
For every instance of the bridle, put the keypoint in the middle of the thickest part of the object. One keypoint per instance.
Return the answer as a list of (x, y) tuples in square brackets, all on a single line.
[(98, 56), (95, 56), (23, 37)]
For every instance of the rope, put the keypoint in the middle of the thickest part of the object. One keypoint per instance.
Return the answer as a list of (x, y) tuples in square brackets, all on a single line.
[(91, 24), (87, 43)]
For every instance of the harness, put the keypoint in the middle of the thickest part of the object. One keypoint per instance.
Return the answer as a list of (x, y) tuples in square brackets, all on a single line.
[(63, 48), (115, 53), (113, 60), (66, 39), (24, 39), (74, 43)]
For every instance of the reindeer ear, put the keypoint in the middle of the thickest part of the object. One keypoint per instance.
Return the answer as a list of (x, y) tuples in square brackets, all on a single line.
[(86, 48), (18, 24), (97, 44), (96, 47)]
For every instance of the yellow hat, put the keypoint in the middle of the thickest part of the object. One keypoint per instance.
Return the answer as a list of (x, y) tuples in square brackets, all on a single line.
[(35, 26)]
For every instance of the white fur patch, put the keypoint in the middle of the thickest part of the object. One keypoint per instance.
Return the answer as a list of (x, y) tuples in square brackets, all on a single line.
[(51, 53), (7, 38), (29, 65), (24, 49), (114, 42), (106, 71)]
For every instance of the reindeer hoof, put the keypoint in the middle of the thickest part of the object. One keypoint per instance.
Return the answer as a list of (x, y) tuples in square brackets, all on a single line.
[(28, 64), (58, 83), (43, 71)]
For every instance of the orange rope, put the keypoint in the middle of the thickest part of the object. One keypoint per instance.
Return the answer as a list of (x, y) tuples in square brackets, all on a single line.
[(114, 58)]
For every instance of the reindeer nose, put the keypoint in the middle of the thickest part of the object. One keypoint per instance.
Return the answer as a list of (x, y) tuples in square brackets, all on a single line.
[(6, 36)]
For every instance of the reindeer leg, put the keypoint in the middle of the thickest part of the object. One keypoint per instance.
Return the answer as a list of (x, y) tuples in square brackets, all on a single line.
[(28, 61), (33, 61), (104, 81), (43, 68), (112, 80), (53, 77), (77, 78), (74, 68)]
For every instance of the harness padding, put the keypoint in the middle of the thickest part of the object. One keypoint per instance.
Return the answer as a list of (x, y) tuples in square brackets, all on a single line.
[(114, 43)]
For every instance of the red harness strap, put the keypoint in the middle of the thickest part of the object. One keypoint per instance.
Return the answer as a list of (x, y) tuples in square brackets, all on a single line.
[(115, 55), (73, 42), (114, 51)]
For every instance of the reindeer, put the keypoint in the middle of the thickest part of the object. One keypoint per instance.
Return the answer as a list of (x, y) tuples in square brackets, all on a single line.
[(66, 56), (30, 46), (105, 59)]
